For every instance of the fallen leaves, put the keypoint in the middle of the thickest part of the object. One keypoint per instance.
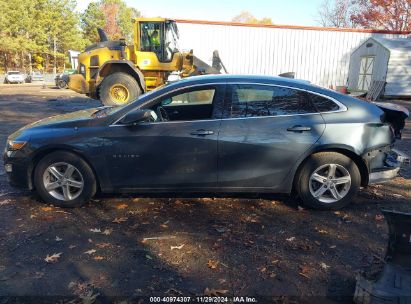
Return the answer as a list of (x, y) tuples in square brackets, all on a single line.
[(305, 271), (98, 258), (120, 220), (324, 266), (53, 258), (95, 230), (214, 292), (379, 217), (177, 247), (46, 209), (107, 231), (90, 252), (212, 264), (291, 239), (103, 245), (58, 239), (5, 202), (122, 206)]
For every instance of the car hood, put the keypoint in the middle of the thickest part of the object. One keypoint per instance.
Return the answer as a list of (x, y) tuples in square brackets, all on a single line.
[(74, 119)]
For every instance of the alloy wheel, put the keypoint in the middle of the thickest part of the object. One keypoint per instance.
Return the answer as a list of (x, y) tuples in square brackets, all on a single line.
[(330, 183), (63, 181)]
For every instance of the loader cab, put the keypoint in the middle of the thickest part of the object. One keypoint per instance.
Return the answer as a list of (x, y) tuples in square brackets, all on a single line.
[(159, 36)]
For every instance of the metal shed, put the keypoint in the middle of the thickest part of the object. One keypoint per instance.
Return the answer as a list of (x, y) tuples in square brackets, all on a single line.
[(317, 54), (382, 59)]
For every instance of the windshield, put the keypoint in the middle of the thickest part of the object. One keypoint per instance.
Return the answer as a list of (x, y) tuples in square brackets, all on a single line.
[(171, 40)]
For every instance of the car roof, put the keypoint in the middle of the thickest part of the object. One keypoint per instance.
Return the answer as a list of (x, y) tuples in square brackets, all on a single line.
[(224, 78)]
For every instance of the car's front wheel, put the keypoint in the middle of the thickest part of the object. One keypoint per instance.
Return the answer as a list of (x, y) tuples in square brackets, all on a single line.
[(64, 179), (328, 181)]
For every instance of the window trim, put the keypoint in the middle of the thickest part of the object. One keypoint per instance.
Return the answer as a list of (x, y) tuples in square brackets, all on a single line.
[(342, 107)]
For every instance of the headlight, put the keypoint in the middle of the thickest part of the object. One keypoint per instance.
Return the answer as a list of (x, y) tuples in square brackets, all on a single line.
[(15, 145)]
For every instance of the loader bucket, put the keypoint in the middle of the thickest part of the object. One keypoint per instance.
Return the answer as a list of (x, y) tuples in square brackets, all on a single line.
[(393, 284)]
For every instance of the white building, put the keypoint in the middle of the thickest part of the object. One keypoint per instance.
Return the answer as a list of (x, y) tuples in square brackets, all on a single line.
[(382, 59), (320, 55)]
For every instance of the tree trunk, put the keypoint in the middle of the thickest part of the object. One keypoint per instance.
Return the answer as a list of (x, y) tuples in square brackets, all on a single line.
[(30, 63)]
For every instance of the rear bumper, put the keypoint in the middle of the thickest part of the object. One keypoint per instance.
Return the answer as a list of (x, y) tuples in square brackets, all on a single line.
[(390, 171)]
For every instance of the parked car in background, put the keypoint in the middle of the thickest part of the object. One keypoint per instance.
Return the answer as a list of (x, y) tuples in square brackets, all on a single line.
[(34, 76), (62, 79), (221, 133), (14, 77)]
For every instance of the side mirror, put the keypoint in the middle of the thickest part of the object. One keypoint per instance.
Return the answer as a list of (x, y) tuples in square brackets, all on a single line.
[(136, 116), (167, 101)]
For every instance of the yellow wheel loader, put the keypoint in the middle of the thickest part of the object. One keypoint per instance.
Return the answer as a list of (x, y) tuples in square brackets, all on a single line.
[(117, 73)]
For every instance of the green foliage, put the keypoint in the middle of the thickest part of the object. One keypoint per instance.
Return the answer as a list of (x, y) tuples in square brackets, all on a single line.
[(114, 16), (33, 27), (47, 29)]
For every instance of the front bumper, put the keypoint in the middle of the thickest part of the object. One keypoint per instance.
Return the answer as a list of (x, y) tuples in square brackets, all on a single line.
[(18, 171), (393, 165)]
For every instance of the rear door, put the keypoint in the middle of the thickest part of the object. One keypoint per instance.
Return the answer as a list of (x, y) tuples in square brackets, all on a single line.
[(264, 131)]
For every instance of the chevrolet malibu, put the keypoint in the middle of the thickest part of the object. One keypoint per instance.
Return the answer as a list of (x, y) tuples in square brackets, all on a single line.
[(213, 134)]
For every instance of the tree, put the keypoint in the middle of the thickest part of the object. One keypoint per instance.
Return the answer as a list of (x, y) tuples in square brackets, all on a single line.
[(392, 15), (92, 18), (337, 13), (114, 16), (45, 28), (247, 17)]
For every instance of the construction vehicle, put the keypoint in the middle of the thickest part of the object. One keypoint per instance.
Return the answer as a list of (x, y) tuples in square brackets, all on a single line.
[(117, 73)]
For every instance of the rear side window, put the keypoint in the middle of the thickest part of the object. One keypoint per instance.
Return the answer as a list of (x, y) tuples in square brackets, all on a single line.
[(261, 100), (323, 104)]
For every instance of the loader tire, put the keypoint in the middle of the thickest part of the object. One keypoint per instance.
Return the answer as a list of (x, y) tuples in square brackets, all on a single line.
[(119, 89)]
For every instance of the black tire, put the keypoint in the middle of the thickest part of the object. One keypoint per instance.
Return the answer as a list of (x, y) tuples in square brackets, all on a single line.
[(343, 164), (118, 78), (61, 84), (89, 180), (5, 81)]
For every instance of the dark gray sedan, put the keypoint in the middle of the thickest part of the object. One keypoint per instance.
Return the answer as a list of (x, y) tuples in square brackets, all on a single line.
[(213, 134)]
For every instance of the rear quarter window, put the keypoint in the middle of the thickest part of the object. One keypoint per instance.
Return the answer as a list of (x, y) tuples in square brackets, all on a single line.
[(323, 104)]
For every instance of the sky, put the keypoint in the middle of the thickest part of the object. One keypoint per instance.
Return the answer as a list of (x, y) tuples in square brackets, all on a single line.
[(289, 12)]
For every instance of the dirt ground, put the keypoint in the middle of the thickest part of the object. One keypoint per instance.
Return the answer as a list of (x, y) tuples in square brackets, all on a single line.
[(123, 248)]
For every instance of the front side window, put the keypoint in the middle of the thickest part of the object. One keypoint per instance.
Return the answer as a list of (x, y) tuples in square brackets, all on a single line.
[(200, 97), (262, 100), (189, 105)]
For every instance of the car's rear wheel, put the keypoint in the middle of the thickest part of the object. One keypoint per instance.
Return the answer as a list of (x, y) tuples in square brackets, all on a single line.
[(328, 181), (64, 179)]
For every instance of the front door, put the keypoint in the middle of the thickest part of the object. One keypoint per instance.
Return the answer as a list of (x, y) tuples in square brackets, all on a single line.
[(365, 76), (264, 131), (179, 152)]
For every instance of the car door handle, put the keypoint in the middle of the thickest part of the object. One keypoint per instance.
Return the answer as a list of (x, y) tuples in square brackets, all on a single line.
[(202, 132), (299, 128)]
